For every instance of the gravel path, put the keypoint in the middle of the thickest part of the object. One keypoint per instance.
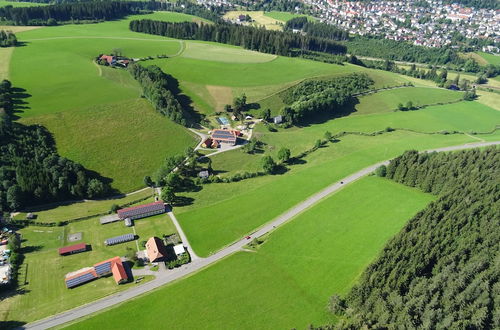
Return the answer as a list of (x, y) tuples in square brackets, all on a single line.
[(199, 263)]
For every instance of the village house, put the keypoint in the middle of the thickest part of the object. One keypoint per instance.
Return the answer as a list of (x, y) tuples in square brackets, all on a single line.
[(225, 136), (155, 249)]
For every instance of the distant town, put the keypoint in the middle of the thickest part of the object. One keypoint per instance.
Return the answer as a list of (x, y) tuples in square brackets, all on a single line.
[(424, 23)]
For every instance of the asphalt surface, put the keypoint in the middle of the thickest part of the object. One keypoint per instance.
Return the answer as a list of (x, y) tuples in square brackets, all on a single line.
[(199, 263)]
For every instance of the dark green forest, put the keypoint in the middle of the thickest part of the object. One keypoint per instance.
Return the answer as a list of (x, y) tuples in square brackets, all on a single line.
[(31, 171), (325, 96), (259, 39), (7, 39), (67, 12), (315, 29), (161, 89), (402, 51), (442, 270)]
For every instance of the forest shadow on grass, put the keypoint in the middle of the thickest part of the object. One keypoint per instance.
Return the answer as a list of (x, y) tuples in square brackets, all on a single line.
[(325, 116)]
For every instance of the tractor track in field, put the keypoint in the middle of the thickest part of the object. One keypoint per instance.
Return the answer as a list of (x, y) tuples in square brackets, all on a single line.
[(166, 277)]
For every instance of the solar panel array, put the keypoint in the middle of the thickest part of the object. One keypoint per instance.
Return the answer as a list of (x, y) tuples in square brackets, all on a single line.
[(104, 268), (223, 135), (142, 209), (119, 239), (80, 279)]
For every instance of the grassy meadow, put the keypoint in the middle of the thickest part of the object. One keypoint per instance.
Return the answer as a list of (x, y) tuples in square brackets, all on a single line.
[(259, 18), (4, 3), (490, 58), (283, 16), (286, 283), (41, 276)]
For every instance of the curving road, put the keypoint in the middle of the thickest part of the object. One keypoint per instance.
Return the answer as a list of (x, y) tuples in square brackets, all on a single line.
[(199, 263)]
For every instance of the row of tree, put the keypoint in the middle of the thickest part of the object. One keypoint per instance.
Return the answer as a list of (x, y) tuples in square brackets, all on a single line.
[(292, 6), (441, 271), (160, 89), (329, 96), (67, 12), (7, 39), (259, 39), (31, 171), (316, 29)]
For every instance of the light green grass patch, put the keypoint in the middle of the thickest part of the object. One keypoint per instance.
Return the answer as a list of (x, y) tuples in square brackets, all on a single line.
[(124, 140), (4, 3), (284, 16), (223, 53), (287, 282), (490, 58), (83, 209), (388, 100)]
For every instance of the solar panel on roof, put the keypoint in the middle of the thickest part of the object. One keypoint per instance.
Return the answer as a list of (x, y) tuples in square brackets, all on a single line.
[(79, 280), (103, 268), (119, 239)]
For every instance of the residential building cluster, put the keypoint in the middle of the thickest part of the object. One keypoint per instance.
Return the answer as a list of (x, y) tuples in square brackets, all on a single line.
[(433, 25)]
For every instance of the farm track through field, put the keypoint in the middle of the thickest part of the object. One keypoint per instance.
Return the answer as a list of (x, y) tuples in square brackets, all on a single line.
[(198, 264)]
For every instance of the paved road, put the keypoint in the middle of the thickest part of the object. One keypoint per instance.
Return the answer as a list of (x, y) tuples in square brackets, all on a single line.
[(167, 277)]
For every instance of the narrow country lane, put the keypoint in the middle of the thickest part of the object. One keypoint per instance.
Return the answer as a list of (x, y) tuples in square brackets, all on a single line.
[(199, 263)]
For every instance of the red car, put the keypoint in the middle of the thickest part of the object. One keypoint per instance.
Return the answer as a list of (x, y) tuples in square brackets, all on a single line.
[(248, 237)]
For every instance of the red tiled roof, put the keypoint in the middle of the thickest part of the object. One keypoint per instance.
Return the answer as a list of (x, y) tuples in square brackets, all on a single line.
[(112, 260), (71, 248), (119, 273), (155, 249), (86, 271), (140, 209)]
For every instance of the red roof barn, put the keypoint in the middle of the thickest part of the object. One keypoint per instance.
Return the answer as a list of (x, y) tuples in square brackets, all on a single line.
[(72, 249)]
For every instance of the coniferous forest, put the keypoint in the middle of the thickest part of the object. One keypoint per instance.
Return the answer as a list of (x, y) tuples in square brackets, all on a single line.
[(31, 171), (265, 41), (442, 270)]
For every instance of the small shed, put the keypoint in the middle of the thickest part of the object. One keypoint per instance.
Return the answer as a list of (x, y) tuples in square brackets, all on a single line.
[(204, 174), (30, 216), (128, 222), (179, 249), (278, 119)]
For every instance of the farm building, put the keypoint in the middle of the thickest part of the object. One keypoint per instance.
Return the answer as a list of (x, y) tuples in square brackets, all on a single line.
[(278, 119), (72, 249), (111, 266), (142, 211), (225, 136), (109, 219), (119, 239), (128, 222), (203, 174), (155, 249), (108, 58)]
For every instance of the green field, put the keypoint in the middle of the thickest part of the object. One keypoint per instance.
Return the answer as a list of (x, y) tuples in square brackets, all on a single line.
[(95, 113), (4, 3), (490, 58), (388, 100), (287, 282), (83, 209), (44, 270), (283, 16)]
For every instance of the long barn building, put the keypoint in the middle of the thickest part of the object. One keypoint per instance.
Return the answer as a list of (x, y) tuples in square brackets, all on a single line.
[(142, 211)]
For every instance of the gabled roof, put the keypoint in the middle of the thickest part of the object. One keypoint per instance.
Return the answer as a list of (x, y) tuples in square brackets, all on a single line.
[(155, 249), (224, 135), (119, 273), (72, 248), (140, 209)]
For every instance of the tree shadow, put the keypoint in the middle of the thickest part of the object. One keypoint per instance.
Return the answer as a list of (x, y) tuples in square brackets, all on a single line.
[(325, 116), (11, 324), (30, 248), (183, 201), (296, 161)]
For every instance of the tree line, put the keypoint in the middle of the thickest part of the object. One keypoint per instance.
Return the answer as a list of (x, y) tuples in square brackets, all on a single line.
[(67, 12), (258, 39), (291, 6), (160, 89), (31, 171), (316, 29), (441, 271), (7, 39), (312, 97)]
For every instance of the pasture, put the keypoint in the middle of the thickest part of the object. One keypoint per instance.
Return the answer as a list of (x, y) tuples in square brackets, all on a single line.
[(284, 16), (490, 58), (388, 100), (4, 3), (41, 276), (286, 283), (259, 19), (222, 213)]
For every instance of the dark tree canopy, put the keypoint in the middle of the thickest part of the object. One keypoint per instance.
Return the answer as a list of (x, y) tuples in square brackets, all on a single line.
[(7, 39), (442, 270), (259, 39)]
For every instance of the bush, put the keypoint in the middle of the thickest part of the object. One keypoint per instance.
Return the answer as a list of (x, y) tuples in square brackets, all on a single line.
[(381, 171)]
